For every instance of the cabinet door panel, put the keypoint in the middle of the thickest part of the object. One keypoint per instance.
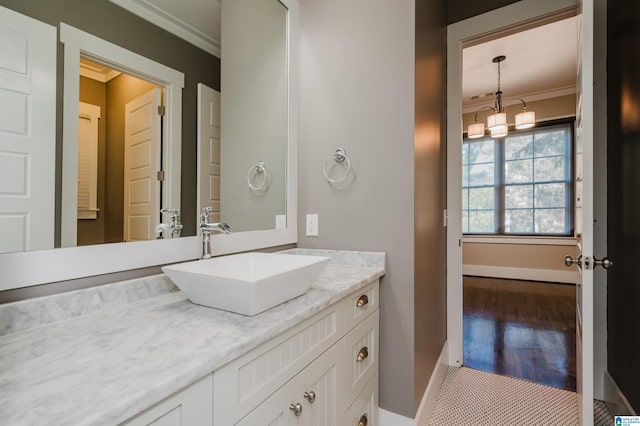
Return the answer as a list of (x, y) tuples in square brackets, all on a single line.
[(319, 389), (188, 407), (275, 411)]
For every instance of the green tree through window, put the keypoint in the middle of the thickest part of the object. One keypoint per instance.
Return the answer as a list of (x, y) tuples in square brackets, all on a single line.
[(521, 184)]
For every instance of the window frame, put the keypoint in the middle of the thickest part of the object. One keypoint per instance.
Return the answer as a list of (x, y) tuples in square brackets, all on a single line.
[(500, 182)]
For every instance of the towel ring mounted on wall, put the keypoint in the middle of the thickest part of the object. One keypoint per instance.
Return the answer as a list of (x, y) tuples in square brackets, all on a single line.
[(339, 157), (258, 169)]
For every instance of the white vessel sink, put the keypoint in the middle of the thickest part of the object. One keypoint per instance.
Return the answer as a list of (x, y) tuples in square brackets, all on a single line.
[(246, 283)]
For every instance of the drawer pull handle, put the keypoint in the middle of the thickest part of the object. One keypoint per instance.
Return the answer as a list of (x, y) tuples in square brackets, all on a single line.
[(363, 420), (362, 301), (363, 354), (296, 408), (311, 396)]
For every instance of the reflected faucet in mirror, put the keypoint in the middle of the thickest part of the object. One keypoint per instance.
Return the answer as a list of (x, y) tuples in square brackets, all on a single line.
[(173, 229), (206, 228)]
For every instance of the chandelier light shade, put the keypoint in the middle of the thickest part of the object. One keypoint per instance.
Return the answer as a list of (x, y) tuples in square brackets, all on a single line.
[(499, 119), (500, 131), (497, 123), (525, 120), (476, 130)]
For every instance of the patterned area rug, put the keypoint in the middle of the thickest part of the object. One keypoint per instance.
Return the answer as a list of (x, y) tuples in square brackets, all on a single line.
[(474, 398)]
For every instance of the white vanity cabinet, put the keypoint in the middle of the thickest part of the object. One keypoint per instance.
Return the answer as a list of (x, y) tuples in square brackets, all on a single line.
[(320, 372)]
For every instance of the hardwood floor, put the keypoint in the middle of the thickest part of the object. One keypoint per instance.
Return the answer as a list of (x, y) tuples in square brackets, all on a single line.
[(521, 329)]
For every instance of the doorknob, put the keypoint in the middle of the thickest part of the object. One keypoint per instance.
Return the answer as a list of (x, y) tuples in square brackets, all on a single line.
[(311, 396), (605, 262), (570, 261), (296, 408)]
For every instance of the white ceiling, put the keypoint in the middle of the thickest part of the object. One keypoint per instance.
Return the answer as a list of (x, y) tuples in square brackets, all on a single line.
[(541, 63), (196, 21)]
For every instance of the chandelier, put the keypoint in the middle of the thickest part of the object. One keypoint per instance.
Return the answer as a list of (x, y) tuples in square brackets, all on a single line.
[(497, 122)]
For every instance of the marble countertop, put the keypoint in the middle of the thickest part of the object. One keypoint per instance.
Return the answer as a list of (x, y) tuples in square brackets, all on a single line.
[(104, 367)]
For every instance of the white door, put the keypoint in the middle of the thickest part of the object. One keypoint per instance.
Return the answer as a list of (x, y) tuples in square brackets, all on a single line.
[(584, 212), (209, 150), (27, 132), (141, 159)]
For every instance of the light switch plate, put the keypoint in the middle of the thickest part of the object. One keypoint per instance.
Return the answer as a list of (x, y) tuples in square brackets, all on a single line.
[(281, 221), (312, 225)]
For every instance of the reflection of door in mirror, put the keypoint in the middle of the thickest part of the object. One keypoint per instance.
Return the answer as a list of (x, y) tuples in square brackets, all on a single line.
[(27, 133), (209, 150), (128, 145)]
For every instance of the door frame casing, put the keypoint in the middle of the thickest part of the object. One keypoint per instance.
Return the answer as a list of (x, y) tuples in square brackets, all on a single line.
[(490, 25), (78, 43)]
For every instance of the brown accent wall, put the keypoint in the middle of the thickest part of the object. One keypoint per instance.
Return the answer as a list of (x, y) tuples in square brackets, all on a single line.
[(546, 109), (458, 10), (91, 231), (430, 185), (108, 21), (623, 204), (517, 255)]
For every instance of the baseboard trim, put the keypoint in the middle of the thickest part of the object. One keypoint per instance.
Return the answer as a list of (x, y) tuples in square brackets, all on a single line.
[(428, 402), (529, 274), (613, 395)]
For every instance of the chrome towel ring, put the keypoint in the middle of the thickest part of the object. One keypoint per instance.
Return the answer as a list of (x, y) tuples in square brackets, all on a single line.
[(339, 157), (258, 169)]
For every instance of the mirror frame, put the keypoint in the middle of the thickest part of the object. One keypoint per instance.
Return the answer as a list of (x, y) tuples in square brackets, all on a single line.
[(24, 269)]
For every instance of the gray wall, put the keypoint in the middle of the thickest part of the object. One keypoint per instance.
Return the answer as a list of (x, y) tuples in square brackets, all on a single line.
[(110, 22), (357, 72), (253, 112), (458, 10)]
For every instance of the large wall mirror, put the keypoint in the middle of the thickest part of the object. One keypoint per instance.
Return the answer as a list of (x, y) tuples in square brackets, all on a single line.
[(148, 113)]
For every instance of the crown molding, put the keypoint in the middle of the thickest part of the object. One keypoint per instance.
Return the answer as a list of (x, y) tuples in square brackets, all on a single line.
[(527, 97), (171, 23), (93, 73)]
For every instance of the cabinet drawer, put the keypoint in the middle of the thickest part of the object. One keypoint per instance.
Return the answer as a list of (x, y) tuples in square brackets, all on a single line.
[(360, 304), (361, 355), (244, 383), (364, 410)]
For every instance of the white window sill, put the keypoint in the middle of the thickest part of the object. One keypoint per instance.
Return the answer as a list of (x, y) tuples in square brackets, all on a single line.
[(525, 240)]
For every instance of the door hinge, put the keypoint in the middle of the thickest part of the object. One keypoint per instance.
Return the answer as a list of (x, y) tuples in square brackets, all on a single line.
[(160, 176), (162, 110)]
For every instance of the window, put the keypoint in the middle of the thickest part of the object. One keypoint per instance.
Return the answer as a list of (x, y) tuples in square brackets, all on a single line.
[(521, 184)]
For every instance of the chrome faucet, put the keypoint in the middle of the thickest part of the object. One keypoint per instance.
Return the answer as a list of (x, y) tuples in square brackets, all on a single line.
[(206, 228), (174, 224)]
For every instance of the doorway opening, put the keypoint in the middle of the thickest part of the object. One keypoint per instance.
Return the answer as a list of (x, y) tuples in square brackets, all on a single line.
[(517, 206), (164, 158), (119, 155)]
